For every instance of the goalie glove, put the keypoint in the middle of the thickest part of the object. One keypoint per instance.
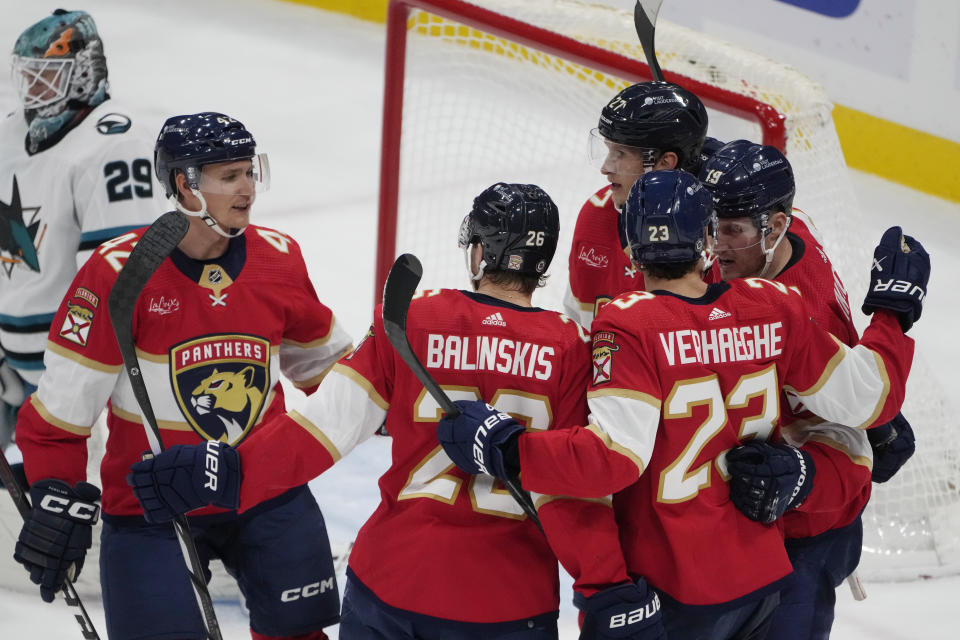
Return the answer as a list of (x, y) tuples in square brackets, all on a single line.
[(767, 479)]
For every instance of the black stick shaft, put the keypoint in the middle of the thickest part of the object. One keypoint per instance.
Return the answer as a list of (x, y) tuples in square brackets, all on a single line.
[(397, 293), (151, 250), (645, 20)]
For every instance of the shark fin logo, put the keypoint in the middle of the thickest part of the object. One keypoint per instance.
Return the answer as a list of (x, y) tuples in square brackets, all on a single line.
[(221, 383), (19, 241)]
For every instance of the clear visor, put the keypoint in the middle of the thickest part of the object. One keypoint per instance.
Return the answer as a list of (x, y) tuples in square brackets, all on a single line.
[(237, 177), (40, 82), (736, 235), (619, 158)]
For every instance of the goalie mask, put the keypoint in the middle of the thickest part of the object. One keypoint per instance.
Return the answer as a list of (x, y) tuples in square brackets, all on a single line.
[(59, 71), (188, 143), (668, 215), (517, 226)]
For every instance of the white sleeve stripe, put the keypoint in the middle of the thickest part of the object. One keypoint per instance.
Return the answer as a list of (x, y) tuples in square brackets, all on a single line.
[(345, 410), (852, 390), (315, 431), (66, 426), (627, 423)]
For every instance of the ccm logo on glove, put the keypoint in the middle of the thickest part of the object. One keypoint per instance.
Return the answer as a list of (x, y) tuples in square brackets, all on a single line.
[(79, 511)]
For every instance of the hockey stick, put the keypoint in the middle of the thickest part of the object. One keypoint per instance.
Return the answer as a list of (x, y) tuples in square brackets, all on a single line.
[(645, 20), (401, 284), (152, 249), (19, 497)]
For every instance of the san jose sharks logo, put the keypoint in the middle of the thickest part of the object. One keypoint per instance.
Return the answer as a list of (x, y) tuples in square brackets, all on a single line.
[(18, 235), (221, 382)]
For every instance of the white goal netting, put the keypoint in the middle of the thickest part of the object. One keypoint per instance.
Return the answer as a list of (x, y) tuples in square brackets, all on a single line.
[(485, 101)]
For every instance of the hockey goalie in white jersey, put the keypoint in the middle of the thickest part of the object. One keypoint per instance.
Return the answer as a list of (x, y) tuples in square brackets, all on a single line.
[(75, 170)]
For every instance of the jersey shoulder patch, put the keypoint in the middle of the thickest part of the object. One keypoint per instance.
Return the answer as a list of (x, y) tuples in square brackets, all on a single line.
[(113, 123)]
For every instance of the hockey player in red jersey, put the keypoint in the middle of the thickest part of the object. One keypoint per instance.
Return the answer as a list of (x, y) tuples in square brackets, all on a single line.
[(222, 318), (448, 555), (647, 126), (760, 234), (685, 373)]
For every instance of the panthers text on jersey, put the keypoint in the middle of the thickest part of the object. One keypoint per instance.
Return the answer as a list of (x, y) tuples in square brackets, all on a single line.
[(58, 204), (676, 383), (443, 543), (600, 268), (212, 338)]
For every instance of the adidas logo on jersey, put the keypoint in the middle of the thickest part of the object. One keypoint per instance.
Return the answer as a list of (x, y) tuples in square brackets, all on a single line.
[(717, 314), (495, 319)]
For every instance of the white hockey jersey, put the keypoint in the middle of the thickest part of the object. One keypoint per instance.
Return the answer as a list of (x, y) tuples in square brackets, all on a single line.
[(57, 205)]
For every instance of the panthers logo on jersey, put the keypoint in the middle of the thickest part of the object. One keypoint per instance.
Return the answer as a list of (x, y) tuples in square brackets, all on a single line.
[(221, 383)]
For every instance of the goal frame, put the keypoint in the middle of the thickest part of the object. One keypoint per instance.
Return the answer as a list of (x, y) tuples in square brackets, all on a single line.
[(772, 123)]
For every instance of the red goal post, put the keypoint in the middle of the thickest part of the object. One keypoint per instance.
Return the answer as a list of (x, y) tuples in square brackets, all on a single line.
[(632, 70)]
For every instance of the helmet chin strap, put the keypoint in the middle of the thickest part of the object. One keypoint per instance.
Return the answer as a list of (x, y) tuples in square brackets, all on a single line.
[(474, 277), (203, 215), (768, 253)]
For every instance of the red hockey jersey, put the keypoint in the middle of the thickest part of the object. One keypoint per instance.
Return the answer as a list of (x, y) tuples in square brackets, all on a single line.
[(676, 383), (842, 455), (212, 338), (600, 268), (444, 543)]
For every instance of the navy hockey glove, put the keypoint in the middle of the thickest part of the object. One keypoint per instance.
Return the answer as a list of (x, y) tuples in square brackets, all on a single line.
[(892, 445), (54, 539), (767, 479), (623, 611), (481, 439), (898, 278), (187, 477)]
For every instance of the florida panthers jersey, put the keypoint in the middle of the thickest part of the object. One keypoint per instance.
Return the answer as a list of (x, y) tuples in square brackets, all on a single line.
[(94, 184), (212, 338), (600, 268), (842, 455), (676, 383), (442, 543)]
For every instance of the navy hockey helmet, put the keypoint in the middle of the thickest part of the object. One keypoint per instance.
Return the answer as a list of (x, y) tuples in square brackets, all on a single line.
[(518, 226), (57, 61), (666, 215), (657, 115), (188, 142), (749, 179)]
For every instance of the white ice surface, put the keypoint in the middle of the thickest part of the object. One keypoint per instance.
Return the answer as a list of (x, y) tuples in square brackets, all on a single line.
[(309, 84)]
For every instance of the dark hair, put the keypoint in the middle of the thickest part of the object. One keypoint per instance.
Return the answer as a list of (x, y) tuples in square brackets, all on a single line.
[(670, 270), (525, 284)]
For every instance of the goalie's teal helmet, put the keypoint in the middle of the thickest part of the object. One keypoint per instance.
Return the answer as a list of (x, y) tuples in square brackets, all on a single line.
[(58, 64)]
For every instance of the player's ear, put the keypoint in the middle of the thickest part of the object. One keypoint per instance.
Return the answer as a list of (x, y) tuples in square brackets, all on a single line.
[(669, 160), (183, 189), (777, 223)]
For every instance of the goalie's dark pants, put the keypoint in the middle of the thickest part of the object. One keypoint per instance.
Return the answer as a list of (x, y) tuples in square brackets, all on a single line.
[(820, 565), (746, 619), (366, 617), (278, 552)]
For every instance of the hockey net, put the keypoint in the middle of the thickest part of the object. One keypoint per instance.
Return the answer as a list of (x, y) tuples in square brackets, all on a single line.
[(499, 90)]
